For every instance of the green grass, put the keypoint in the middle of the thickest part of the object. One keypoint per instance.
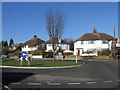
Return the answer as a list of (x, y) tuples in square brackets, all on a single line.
[(6, 59), (41, 63)]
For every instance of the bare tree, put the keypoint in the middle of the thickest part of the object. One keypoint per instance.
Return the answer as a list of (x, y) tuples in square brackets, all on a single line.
[(55, 24)]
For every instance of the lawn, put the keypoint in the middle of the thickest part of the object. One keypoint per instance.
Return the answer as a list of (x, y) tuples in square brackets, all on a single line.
[(6, 59), (41, 63)]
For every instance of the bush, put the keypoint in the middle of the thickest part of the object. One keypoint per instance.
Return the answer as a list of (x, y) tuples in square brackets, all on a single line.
[(48, 55), (11, 54), (104, 52), (5, 50), (59, 51), (37, 53)]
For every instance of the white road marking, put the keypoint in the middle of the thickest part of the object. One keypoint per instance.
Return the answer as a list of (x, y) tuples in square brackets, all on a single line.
[(90, 60), (34, 83), (54, 83), (91, 82), (118, 80), (7, 87), (107, 81), (73, 83), (15, 83)]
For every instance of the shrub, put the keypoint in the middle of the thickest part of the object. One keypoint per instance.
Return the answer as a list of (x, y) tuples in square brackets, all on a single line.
[(5, 50), (104, 52), (37, 53)]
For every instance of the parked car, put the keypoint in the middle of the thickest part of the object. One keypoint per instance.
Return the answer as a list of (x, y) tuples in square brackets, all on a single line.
[(4, 56)]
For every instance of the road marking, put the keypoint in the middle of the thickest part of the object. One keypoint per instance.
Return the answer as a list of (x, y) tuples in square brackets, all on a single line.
[(90, 60), (118, 80), (54, 83), (7, 87), (107, 81), (91, 82), (34, 83), (15, 83), (73, 83)]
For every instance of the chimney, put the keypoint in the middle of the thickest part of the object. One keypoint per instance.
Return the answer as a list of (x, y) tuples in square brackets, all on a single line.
[(35, 36), (95, 30)]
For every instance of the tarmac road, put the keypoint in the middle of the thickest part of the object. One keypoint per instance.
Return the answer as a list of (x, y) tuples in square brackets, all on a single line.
[(94, 74)]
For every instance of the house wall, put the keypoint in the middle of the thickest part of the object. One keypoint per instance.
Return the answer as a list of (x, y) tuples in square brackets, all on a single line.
[(26, 48), (97, 45), (62, 46)]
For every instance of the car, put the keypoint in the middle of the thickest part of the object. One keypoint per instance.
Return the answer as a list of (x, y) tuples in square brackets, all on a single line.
[(4, 56)]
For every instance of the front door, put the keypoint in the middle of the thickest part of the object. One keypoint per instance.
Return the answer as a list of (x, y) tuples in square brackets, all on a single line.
[(78, 52)]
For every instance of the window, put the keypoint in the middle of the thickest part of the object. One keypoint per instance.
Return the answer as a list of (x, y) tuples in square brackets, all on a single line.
[(50, 45), (91, 42), (104, 41), (82, 42)]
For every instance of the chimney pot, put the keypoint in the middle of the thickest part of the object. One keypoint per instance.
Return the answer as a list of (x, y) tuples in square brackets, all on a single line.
[(35, 36)]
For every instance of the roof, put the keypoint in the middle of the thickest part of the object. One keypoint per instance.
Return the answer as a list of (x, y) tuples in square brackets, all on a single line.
[(34, 41), (51, 40), (95, 36), (16, 45)]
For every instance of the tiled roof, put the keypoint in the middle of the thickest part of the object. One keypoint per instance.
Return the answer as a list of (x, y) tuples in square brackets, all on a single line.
[(16, 45), (95, 36), (51, 40), (33, 41)]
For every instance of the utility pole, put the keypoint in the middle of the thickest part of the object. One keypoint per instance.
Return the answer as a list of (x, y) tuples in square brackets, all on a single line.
[(114, 43)]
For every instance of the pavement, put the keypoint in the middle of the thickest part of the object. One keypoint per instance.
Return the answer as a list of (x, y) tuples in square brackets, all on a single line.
[(94, 74)]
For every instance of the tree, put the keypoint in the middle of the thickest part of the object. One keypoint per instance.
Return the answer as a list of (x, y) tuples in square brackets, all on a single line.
[(5, 50), (11, 42), (55, 24), (2, 43), (71, 43), (5, 43)]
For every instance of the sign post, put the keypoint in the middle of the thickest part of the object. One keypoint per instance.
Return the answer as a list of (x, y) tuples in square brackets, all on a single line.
[(24, 54), (28, 59), (21, 59), (76, 57)]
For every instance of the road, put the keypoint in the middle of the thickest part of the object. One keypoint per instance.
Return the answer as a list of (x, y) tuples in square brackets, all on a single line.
[(94, 74)]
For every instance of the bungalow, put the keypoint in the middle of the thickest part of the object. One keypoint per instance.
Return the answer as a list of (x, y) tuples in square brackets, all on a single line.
[(61, 44), (90, 43), (32, 45)]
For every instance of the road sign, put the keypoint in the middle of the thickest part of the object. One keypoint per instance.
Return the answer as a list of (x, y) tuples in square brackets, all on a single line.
[(24, 54)]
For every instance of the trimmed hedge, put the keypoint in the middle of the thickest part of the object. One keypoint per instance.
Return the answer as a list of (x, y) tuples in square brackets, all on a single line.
[(37, 53)]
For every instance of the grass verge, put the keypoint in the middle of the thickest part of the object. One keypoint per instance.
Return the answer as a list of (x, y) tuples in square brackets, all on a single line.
[(6, 59), (41, 63)]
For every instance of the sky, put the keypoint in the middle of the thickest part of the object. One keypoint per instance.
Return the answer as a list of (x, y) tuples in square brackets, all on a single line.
[(22, 20)]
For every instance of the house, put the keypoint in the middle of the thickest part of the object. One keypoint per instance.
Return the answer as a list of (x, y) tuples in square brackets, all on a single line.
[(90, 43), (118, 42), (61, 44), (33, 44), (15, 47)]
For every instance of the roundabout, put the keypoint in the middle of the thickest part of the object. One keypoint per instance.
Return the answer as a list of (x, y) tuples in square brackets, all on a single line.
[(94, 74)]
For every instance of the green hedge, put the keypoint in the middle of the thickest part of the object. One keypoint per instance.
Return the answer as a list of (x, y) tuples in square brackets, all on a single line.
[(104, 52), (37, 53)]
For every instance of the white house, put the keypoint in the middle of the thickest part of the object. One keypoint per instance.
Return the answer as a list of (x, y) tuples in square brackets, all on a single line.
[(32, 45), (90, 43), (61, 44), (118, 42)]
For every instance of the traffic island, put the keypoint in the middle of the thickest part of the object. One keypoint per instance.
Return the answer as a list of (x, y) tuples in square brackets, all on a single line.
[(41, 64)]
